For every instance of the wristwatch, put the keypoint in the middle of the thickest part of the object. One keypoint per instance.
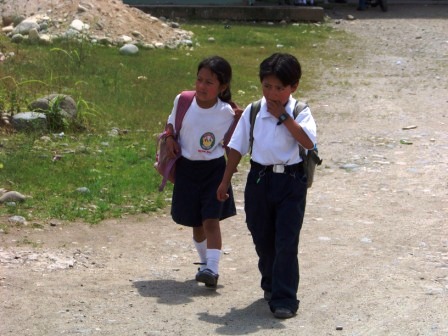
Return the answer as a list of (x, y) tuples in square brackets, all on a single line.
[(282, 118)]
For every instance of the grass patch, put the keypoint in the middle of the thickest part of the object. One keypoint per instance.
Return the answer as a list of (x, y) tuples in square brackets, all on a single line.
[(131, 95)]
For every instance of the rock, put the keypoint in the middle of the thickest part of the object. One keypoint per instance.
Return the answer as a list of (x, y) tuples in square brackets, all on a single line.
[(45, 39), (83, 190), (17, 220), (7, 29), (33, 35), (12, 196), (82, 9), (406, 128), (79, 26), (66, 105), (29, 121), (124, 39), (129, 49), (17, 38), (349, 166), (25, 26)]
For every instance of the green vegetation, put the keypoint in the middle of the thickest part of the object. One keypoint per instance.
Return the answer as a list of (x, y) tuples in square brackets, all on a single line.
[(130, 95)]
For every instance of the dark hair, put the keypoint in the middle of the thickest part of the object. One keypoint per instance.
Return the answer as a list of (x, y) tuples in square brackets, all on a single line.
[(283, 66), (222, 69)]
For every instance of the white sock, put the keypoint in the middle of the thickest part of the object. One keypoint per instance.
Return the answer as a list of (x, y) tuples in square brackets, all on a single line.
[(202, 251), (213, 257)]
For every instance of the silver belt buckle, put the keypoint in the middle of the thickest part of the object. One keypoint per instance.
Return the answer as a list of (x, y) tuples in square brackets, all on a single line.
[(278, 169)]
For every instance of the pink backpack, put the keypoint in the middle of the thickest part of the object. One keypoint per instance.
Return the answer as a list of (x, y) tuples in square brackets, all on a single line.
[(167, 166)]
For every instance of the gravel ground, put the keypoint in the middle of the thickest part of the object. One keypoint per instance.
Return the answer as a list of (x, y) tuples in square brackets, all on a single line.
[(374, 246)]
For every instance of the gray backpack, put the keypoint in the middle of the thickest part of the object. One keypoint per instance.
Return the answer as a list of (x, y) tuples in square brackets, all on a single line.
[(310, 159)]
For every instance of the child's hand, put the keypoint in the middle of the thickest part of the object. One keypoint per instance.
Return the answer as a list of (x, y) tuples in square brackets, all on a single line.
[(221, 193), (172, 146), (275, 108)]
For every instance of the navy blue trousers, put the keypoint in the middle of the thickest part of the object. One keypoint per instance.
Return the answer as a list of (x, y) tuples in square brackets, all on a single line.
[(275, 207)]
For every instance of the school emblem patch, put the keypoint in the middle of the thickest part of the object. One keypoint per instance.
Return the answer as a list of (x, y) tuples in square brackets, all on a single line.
[(207, 141)]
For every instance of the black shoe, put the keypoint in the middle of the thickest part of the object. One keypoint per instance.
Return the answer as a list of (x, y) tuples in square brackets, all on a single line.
[(267, 295), (208, 277), (283, 313)]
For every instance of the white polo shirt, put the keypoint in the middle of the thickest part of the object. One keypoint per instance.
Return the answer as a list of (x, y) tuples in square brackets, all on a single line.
[(273, 144), (202, 133)]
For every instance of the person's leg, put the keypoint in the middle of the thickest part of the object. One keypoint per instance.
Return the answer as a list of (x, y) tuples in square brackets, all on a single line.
[(214, 244), (200, 242), (259, 220), (361, 5), (212, 232), (209, 275), (290, 199), (212, 211)]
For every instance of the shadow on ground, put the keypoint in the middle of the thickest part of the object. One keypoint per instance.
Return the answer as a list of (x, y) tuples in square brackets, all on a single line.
[(237, 321)]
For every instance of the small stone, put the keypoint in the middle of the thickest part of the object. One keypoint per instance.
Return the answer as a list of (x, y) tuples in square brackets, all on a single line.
[(349, 166), (12, 196), (83, 190), (17, 220), (409, 127), (339, 328)]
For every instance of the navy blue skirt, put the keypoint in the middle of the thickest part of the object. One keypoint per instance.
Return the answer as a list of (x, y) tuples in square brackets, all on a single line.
[(194, 194)]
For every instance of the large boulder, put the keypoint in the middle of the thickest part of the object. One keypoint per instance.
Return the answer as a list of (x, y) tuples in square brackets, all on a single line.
[(65, 104)]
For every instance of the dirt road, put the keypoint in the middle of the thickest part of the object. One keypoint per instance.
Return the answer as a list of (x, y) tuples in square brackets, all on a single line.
[(374, 246)]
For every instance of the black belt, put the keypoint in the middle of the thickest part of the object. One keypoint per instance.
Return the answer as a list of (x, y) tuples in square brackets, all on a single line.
[(277, 168)]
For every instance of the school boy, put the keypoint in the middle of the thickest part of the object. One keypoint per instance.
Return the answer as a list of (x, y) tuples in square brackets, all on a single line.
[(276, 187)]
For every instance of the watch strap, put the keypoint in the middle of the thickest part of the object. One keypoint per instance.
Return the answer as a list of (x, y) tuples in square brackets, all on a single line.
[(282, 118)]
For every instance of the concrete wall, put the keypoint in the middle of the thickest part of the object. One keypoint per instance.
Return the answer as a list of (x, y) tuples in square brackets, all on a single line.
[(183, 2), (201, 2), (236, 13)]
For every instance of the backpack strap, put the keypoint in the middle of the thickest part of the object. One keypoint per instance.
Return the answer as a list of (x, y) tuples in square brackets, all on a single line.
[(299, 107), (255, 108), (238, 111), (184, 102)]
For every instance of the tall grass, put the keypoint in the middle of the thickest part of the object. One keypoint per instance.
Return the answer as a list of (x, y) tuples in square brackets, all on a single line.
[(131, 94)]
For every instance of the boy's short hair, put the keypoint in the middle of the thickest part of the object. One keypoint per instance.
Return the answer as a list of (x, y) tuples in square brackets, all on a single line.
[(284, 66)]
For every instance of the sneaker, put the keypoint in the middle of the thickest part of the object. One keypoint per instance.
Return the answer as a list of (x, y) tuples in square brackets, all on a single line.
[(267, 295), (208, 277), (283, 313)]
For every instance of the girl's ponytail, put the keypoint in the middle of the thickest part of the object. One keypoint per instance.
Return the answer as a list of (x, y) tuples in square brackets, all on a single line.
[(226, 95)]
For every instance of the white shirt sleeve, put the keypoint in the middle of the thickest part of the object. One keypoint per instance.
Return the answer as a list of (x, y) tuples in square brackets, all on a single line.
[(172, 116), (240, 139)]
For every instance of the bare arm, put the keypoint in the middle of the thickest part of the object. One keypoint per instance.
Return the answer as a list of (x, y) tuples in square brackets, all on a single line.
[(172, 146), (277, 109), (233, 159)]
